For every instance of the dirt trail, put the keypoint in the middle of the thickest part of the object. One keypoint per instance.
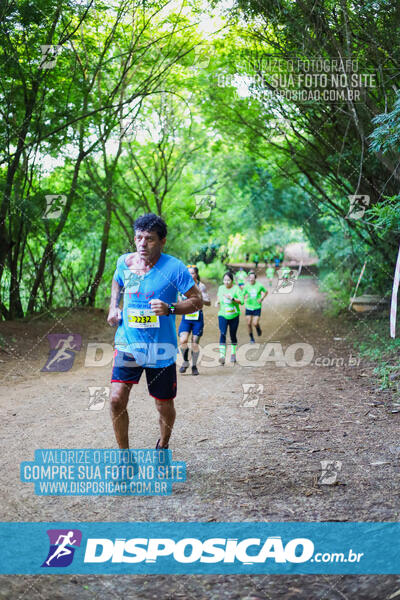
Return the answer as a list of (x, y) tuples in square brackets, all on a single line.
[(244, 463)]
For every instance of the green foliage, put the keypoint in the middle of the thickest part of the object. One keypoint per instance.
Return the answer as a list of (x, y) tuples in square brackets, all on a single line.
[(338, 287), (342, 256), (386, 136), (207, 253), (281, 234), (133, 118), (373, 343), (213, 271), (386, 216), (312, 149), (385, 372)]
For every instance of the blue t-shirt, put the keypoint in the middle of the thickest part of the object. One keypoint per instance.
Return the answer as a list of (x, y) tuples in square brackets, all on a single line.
[(149, 338)]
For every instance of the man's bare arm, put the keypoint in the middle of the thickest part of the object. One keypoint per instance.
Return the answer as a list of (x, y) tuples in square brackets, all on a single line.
[(114, 314), (193, 303)]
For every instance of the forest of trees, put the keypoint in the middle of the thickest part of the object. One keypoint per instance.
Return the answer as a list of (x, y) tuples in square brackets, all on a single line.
[(113, 109)]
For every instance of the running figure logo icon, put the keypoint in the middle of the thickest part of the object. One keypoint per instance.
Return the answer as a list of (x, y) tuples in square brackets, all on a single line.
[(358, 206), (63, 543), (125, 131), (62, 351), (54, 205), (204, 206), (132, 281), (98, 397), (202, 57), (49, 56), (286, 280), (252, 393), (330, 470)]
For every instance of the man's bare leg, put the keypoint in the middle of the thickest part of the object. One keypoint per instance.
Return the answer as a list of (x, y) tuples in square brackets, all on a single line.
[(166, 410), (119, 414)]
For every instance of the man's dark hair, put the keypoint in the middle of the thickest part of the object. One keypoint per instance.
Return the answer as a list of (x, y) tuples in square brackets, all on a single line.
[(151, 222)]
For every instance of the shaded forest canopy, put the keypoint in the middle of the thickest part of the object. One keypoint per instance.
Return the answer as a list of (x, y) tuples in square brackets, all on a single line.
[(270, 115)]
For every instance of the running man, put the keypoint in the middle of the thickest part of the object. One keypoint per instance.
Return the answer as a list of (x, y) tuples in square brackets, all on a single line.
[(62, 346), (146, 336), (229, 298), (62, 549), (253, 294), (241, 277), (256, 259), (193, 323), (286, 281)]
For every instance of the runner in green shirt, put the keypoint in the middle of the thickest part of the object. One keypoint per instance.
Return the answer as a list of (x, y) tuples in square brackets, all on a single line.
[(270, 273), (241, 277), (253, 294), (229, 298)]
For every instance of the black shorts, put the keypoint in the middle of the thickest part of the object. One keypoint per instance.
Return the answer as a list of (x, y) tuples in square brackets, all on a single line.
[(256, 312), (161, 382)]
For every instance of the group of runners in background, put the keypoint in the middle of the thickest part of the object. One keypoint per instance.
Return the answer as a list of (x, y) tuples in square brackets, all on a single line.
[(275, 257), (237, 289)]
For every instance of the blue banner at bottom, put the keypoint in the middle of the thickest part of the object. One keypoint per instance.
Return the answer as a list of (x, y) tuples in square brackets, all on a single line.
[(200, 548)]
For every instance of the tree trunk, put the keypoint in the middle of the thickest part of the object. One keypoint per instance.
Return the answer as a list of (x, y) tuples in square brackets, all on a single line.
[(50, 243), (5, 242)]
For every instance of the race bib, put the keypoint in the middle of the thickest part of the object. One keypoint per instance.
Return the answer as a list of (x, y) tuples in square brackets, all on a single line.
[(253, 294), (142, 318), (193, 316), (230, 310)]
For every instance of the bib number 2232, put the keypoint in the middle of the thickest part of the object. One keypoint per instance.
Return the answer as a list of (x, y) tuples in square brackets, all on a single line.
[(142, 319)]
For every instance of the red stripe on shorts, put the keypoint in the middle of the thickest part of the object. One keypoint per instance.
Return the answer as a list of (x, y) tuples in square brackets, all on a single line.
[(162, 399)]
